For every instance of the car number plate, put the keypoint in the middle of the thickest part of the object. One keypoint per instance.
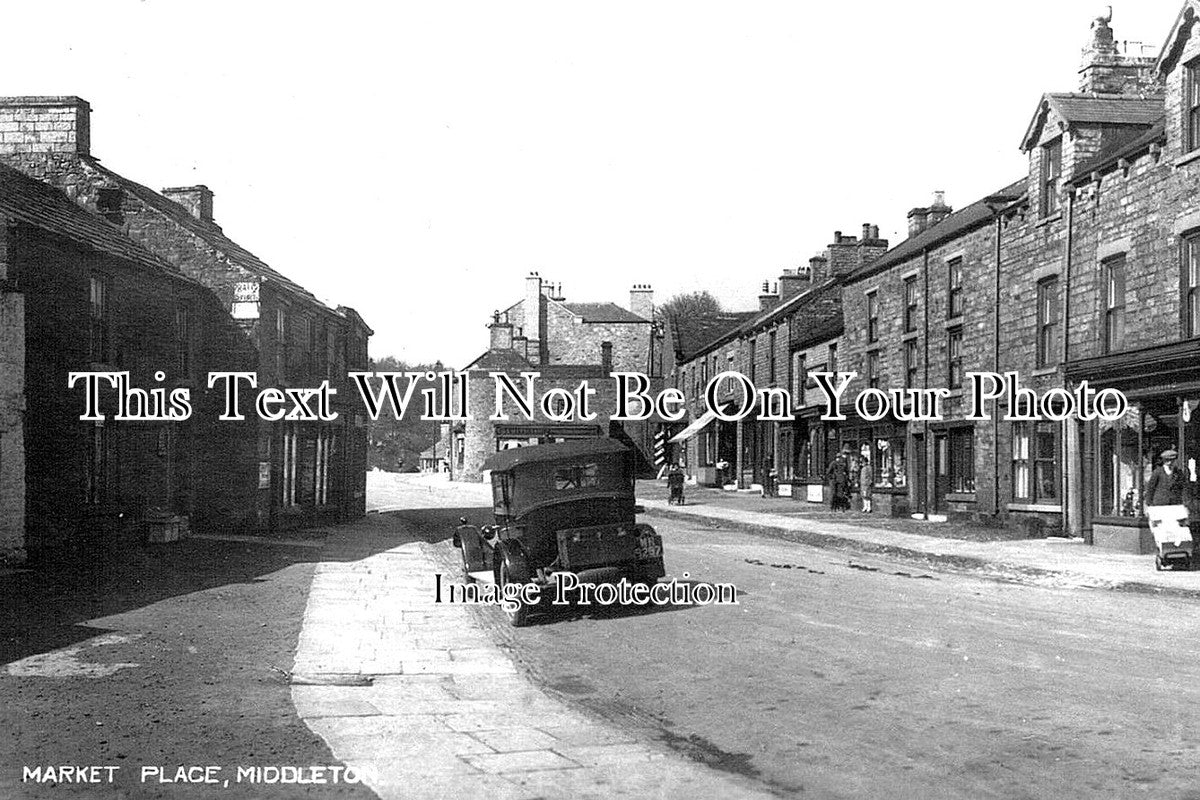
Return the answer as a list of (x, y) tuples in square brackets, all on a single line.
[(648, 547)]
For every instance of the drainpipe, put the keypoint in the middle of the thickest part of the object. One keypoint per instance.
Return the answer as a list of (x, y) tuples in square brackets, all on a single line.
[(996, 369), (930, 475), (1073, 507)]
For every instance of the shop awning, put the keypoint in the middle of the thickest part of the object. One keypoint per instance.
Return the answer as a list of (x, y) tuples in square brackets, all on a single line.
[(698, 425)]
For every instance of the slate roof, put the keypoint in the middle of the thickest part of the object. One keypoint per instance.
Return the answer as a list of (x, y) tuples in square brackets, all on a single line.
[(42, 206), (603, 312), (207, 231), (1110, 110), (500, 361), (957, 223), (694, 333), (1117, 147), (823, 321)]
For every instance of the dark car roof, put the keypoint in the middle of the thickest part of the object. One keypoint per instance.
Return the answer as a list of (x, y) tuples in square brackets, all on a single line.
[(507, 459)]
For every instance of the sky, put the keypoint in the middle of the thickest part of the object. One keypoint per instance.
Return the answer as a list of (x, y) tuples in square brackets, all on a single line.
[(415, 161)]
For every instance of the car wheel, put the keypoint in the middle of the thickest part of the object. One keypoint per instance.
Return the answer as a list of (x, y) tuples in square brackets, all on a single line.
[(519, 616)]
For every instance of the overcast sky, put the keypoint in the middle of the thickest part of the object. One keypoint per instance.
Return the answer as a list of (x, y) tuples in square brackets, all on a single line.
[(417, 160)]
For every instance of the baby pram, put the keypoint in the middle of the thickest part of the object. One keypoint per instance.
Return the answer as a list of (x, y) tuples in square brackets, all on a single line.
[(1173, 544), (675, 487)]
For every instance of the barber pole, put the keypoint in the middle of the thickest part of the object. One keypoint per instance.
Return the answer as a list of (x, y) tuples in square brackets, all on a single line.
[(660, 448)]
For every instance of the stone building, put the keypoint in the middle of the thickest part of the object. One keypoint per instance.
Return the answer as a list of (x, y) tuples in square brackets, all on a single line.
[(1084, 269), (774, 348), (77, 295), (566, 343), (299, 472)]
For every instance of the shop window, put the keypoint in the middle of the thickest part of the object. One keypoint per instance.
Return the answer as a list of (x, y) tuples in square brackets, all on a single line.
[(962, 460), (787, 445), (954, 293), (872, 317), (1035, 462), (1047, 321), (1051, 176), (910, 304), (1127, 453), (1114, 303), (1190, 286), (954, 356), (890, 462)]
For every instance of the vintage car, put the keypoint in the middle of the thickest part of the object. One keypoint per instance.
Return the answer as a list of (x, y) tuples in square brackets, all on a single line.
[(563, 507)]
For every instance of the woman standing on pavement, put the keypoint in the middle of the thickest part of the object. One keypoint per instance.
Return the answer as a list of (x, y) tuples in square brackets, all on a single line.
[(866, 481)]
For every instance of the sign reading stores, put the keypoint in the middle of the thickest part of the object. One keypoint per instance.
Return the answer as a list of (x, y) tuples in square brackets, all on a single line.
[(730, 396)]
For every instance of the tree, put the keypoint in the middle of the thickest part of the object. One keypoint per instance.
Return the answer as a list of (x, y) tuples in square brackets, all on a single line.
[(689, 304), (396, 444)]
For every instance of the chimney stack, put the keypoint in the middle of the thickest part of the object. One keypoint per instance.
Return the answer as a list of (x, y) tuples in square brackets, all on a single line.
[(939, 210), (818, 268), (198, 200), (501, 333), (606, 362), (769, 296), (871, 247), (533, 317), (918, 221), (843, 254), (641, 300), (42, 125), (792, 282), (1106, 70)]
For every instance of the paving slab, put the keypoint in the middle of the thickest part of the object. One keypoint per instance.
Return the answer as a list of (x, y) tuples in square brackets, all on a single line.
[(446, 712)]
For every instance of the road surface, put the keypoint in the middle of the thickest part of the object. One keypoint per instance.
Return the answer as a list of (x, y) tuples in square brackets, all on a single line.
[(843, 676)]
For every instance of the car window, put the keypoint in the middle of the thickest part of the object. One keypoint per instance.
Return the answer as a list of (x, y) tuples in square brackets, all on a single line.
[(577, 476), (500, 493)]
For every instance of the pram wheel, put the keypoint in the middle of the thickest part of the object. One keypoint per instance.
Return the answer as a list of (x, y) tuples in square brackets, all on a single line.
[(1158, 565)]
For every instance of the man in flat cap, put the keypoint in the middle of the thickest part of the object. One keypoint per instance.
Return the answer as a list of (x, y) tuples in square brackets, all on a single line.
[(1166, 482)]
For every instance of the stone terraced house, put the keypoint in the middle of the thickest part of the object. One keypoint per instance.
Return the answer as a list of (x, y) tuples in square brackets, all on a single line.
[(278, 475), (1087, 268)]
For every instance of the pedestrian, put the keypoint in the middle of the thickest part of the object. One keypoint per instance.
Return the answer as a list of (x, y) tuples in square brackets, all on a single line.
[(675, 485), (838, 477), (1165, 487), (866, 482)]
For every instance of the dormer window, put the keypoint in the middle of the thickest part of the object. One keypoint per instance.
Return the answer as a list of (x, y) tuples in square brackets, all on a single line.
[(1051, 176), (1191, 106)]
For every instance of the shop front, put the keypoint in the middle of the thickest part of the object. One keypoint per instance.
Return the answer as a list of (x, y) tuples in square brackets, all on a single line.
[(884, 444), (1162, 385)]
